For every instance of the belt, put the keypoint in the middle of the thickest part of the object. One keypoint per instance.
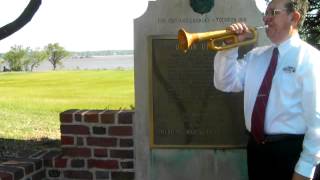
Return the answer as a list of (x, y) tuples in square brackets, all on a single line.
[(279, 137)]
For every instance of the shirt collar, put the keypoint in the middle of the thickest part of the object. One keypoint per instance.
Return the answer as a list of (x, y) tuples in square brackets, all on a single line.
[(283, 47)]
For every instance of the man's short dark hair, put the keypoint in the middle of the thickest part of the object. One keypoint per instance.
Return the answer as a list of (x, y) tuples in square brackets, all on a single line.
[(298, 5)]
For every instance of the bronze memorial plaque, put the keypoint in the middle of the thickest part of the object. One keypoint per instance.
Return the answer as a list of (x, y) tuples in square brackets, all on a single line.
[(186, 109)]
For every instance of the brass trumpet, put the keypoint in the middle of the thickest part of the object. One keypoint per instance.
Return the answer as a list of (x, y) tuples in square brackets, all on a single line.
[(214, 39)]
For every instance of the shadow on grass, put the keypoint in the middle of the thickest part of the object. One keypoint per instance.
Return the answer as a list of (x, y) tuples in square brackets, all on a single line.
[(15, 148)]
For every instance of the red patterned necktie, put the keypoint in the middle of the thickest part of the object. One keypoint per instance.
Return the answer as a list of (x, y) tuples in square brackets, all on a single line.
[(259, 109)]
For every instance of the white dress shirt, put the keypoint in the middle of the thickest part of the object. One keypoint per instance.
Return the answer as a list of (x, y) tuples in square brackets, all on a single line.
[(294, 101)]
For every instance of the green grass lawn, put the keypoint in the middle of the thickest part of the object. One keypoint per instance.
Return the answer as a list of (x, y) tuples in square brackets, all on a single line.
[(30, 103)]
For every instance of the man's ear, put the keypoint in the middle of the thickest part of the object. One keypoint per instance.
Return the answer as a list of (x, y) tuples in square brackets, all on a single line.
[(295, 18)]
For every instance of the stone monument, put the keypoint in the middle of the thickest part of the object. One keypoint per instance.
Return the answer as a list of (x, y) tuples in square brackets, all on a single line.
[(184, 127)]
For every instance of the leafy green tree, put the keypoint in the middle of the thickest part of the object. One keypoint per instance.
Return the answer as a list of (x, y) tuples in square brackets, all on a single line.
[(311, 28), (55, 54), (35, 57), (16, 57), (1, 61)]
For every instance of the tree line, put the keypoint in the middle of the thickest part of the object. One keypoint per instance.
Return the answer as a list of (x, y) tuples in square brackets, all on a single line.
[(87, 54), (311, 27), (19, 58)]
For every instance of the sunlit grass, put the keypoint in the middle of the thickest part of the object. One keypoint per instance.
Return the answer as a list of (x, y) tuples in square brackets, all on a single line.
[(30, 103)]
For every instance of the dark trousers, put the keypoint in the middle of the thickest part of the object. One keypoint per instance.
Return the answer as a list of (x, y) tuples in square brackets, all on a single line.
[(274, 160)]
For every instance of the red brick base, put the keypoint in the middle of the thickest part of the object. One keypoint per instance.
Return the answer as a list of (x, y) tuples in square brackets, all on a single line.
[(95, 144)]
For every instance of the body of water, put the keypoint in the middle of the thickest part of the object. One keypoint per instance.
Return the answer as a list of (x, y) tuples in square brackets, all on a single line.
[(92, 63)]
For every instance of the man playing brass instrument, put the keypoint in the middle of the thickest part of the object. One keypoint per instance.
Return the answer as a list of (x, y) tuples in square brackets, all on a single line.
[(281, 84)]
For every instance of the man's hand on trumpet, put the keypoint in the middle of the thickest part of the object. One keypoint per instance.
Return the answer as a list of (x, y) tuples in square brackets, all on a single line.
[(241, 30)]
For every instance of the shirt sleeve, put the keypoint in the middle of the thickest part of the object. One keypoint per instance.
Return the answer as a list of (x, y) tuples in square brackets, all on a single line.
[(310, 155), (228, 71)]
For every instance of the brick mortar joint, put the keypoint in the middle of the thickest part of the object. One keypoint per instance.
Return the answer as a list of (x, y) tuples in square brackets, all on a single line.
[(74, 114), (69, 159), (105, 112), (99, 147), (116, 114), (85, 138)]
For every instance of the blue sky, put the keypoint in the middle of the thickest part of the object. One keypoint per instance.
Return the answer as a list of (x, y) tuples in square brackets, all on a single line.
[(77, 25)]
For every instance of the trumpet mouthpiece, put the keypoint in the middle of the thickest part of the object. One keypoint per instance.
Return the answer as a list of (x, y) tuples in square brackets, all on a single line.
[(261, 27)]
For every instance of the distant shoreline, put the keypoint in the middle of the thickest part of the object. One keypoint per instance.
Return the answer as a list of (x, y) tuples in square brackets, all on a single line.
[(92, 63)]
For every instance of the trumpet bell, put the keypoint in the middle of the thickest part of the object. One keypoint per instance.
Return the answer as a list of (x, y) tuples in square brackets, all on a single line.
[(185, 40)]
